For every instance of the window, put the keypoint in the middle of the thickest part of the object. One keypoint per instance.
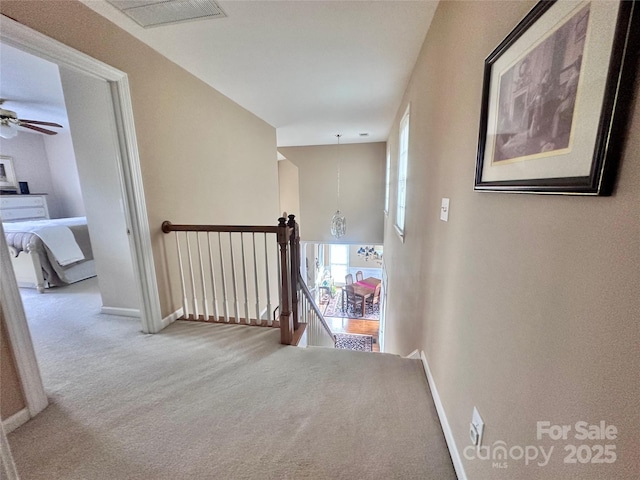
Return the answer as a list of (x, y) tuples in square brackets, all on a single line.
[(403, 154), (387, 183), (339, 257)]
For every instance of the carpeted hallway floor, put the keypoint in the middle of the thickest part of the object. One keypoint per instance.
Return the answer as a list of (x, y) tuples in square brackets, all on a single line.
[(203, 401)]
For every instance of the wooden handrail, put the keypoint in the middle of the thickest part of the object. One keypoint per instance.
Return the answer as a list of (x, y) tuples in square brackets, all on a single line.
[(307, 293), (168, 227)]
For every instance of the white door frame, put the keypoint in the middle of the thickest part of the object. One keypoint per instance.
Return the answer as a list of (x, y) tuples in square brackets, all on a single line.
[(26, 39)]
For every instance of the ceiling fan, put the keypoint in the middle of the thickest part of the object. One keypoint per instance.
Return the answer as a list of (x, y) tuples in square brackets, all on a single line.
[(9, 121)]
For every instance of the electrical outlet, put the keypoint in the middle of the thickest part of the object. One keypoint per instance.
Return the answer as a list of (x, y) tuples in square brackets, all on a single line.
[(444, 210), (476, 428)]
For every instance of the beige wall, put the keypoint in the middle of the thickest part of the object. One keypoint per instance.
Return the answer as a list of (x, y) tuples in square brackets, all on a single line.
[(204, 159), (11, 395), (528, 304), (361, 190), (289, 188)]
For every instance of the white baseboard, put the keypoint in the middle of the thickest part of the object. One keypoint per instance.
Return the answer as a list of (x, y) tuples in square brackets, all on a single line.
[(122, 312), (16, 420), (415, 355), (169, 319), (446, 428)]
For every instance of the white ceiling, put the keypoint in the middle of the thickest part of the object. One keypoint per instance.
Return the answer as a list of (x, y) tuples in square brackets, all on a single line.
[(311, 69), (31, 87)]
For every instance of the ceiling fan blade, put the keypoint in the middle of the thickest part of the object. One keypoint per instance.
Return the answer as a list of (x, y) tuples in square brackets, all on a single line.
[(38, 129), (37, 122)]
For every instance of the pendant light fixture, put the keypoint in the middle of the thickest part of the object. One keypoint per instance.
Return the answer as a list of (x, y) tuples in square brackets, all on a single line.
[(338, 222)]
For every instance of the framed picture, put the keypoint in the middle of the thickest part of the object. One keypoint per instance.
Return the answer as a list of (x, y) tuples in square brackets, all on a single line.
[(555, 99), (7, 174)]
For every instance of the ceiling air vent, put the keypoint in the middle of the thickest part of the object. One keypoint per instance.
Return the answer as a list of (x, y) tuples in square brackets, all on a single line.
[(153, 13)]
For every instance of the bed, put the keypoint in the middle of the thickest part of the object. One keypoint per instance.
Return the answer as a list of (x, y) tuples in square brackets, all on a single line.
[(48, 253)]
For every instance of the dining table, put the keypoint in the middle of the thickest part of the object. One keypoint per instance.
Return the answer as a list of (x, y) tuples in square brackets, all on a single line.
[(364, 288)]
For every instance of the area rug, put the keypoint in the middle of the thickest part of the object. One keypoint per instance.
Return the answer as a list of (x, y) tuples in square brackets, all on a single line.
[(334, 309), (346, 341)]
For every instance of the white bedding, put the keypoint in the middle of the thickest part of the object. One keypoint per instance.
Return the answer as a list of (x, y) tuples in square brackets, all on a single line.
[(56, 235)]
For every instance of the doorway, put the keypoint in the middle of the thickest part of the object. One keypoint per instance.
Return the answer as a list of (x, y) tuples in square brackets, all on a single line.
[(337, 265), (72, 171), (131, 203)]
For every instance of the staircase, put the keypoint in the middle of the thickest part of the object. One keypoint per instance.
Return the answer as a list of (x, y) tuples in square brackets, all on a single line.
[(245, 275)]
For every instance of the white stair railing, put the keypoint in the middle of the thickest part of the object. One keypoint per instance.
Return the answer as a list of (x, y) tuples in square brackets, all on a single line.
[(318, 332), (218, 270), (215, 270)]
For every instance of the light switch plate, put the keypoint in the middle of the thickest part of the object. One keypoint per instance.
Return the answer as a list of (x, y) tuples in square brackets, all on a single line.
[(444, 210), (477, 424)]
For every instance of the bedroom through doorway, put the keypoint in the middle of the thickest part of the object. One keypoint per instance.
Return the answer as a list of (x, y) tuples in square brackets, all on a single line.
[(74, 202)]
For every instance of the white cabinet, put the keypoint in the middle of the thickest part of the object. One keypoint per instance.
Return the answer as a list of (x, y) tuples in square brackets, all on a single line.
[(23, 207)]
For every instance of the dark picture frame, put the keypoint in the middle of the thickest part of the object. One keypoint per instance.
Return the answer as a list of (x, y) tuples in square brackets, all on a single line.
[(8, 182), (555, 99)]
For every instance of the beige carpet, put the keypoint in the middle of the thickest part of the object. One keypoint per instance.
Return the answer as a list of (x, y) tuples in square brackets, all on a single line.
[(201, 401)]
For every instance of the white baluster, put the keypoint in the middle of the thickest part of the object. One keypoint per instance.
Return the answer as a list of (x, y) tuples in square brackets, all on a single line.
[(244, 280), (196, 313), (205, 301), (185, 302), (266, 263), (224, 281), (236, 301), (255, 277), (213, 279)]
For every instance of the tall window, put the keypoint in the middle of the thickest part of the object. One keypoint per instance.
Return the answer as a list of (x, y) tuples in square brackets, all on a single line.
[(387, 184), (339, 257), (403, 154)]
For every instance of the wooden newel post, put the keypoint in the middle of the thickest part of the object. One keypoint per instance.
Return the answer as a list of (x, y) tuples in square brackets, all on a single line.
[(295, 267), (286, 320)]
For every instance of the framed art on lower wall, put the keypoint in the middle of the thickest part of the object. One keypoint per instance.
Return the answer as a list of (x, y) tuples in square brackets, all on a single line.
[(7, 175), (555, 97)]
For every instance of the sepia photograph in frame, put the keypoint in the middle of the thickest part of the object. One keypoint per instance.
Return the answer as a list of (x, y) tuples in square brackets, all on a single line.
[(553, 105)]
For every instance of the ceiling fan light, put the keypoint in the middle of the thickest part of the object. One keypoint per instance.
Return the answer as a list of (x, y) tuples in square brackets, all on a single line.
[(6, 131)]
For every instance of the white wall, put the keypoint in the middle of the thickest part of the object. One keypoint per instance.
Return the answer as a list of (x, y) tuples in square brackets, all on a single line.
[(362, 169), (31, 165), (64, 175), (92, 126), (48, 165)]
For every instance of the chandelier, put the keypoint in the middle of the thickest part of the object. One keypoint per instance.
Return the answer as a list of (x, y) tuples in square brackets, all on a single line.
[(338, 221), (369, 253)]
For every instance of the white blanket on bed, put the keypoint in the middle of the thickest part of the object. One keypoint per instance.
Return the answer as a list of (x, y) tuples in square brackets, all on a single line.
[(55, 234)]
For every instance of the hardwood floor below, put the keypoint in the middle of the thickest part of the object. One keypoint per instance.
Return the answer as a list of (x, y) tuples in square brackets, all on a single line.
[(356, 326)]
